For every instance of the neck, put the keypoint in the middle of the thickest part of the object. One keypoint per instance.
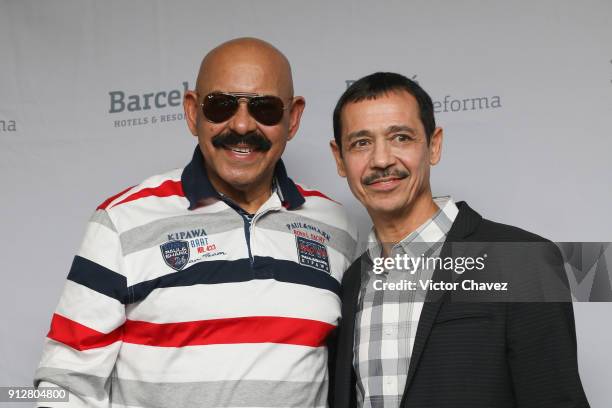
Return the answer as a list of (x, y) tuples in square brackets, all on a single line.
[(391, 228), (250, 198)]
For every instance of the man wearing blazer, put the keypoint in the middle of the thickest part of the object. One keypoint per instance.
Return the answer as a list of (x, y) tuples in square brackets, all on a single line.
[(395, 349)]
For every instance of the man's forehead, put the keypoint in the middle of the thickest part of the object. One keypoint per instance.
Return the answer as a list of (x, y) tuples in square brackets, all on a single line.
[(382, 108), (245, 66), (241, 76), (381, 113)]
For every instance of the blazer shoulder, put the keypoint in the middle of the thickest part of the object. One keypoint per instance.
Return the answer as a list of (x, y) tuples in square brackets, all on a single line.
[(495, 231), (353, 273)]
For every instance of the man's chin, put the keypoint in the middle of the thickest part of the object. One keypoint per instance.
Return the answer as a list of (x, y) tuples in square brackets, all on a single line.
[(240, 182), (244, 178), (386, 206), (242, 175)]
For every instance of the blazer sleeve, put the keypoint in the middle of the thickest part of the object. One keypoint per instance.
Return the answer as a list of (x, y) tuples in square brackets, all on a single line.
[(332, 345), (542, 352)]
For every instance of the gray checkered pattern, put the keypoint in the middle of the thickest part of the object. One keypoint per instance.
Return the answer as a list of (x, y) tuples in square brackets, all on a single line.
[(387, 320)]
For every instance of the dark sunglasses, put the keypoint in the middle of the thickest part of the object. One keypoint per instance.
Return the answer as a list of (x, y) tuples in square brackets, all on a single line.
[(265, 109)]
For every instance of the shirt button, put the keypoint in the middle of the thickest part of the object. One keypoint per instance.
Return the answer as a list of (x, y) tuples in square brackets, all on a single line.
[(388, 331)]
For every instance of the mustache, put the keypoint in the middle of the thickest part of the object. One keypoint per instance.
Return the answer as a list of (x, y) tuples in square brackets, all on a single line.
[(255, 140), (386, 173)]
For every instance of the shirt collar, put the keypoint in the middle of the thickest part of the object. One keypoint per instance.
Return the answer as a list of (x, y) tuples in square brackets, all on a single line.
[(197, 185), (432, 231)]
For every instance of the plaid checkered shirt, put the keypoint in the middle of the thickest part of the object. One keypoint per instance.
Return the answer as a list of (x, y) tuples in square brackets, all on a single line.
[(387, 320)]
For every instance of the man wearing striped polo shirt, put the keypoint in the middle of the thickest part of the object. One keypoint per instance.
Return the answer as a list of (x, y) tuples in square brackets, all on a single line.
[(216, 285)]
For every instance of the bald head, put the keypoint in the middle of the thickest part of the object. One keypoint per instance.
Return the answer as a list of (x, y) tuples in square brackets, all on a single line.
[(246, 65)]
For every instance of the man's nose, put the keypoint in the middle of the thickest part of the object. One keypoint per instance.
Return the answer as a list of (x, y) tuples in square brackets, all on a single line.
[(382, 155), (242, 122)]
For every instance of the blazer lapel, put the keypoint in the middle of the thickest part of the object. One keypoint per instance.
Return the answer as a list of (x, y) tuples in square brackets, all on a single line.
[(465, 223)]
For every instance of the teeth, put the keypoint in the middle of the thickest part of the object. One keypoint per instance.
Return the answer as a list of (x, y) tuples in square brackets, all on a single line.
[(241, 150)]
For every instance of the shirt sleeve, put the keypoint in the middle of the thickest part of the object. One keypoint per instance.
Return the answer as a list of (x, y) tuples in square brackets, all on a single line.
[(81, 348)]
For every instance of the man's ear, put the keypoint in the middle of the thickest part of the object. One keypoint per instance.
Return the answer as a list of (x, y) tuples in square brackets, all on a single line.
[(191, 108), (295, 114), (435, 146), (336, 151)]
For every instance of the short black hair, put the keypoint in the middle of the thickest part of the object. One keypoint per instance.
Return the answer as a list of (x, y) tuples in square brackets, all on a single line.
[(381, 83)]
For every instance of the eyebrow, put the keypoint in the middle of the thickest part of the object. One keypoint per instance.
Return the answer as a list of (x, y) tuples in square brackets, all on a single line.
[(358, 133), (401, 128), (391, 129)]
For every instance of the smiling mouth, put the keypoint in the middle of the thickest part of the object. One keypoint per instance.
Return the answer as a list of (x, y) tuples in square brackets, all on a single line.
[(243, 149), (385, 180)]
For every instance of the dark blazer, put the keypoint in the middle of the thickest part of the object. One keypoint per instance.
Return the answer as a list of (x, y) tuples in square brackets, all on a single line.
[(476, 354)]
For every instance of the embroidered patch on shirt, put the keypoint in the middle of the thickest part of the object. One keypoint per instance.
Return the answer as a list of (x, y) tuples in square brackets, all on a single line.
[(175, 254), (312, 253)]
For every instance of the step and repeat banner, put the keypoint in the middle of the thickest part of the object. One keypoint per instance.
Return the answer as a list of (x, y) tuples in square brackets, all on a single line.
[(91, 103)]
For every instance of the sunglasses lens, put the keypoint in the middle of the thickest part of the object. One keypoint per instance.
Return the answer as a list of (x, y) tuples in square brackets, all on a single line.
[(219, 107), (267, 110)]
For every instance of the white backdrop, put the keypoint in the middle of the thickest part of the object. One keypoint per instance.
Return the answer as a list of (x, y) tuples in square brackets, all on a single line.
[(523, 90)]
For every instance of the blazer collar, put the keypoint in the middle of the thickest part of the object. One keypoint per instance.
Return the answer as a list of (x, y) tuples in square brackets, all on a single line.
[(465, 224)]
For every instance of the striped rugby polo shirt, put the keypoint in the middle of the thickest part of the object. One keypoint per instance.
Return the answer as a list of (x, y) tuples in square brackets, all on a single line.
[(177, 298)]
